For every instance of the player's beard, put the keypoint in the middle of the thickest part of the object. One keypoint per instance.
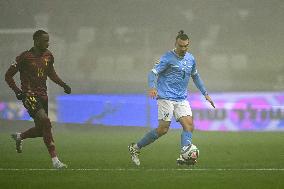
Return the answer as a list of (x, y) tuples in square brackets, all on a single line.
[(182, 53), (179, 52)]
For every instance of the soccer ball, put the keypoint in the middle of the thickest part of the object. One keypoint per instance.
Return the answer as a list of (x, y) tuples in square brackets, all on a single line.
[(190, 153)]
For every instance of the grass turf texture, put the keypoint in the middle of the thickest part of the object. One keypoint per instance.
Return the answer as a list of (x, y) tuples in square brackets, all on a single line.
[(98, 157)]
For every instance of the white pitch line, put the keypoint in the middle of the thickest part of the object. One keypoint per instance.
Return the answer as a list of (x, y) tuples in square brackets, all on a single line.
[(142, 169)]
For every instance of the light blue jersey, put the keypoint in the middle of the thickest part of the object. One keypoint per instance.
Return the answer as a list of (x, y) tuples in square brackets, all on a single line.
[(171, 76)]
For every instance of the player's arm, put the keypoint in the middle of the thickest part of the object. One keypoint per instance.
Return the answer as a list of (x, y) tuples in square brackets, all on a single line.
[(153, 76), (200, 85), (10, 73), (56, 79)]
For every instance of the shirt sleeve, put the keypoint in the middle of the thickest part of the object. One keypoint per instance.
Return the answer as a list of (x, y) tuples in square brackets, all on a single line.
[(158, 68), (11, 72), (161, 65), (194, 70), (152, 80), (197, 80)]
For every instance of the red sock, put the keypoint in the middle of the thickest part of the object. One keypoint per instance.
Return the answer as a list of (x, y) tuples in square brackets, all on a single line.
[(48, 138)]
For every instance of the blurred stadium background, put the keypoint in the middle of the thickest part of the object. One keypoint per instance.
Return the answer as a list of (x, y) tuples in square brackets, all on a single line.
[(238, 44), (105, 48)]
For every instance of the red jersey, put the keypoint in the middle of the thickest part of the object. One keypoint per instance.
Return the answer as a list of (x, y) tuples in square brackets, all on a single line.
[(34, 70)]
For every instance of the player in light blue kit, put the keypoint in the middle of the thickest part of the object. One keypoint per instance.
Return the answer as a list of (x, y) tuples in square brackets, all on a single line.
[(168, 82)]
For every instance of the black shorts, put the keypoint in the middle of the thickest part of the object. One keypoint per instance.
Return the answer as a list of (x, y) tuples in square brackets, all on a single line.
[(34, 103)]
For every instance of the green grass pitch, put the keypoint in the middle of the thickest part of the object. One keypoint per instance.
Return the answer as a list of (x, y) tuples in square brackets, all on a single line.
[(97, 157)]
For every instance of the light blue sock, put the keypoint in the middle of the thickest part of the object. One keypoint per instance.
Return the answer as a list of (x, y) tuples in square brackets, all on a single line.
[(150, 137), (186, 138)]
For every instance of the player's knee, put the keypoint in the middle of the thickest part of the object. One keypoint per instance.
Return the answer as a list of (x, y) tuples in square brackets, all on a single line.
[(165, 130), (162, 130)]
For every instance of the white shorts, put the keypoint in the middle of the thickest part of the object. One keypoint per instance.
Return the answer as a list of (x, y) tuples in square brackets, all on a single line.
[(168, 108)]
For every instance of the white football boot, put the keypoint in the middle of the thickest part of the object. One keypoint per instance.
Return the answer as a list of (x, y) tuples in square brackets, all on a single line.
[(134, 153), (182, 161), (59, 165)]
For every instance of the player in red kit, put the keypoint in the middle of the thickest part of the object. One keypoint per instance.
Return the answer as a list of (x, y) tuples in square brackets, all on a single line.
[(35, 65)]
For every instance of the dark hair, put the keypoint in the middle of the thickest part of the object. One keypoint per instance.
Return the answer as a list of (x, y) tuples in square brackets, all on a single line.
[(181, 35), (38, 34)]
